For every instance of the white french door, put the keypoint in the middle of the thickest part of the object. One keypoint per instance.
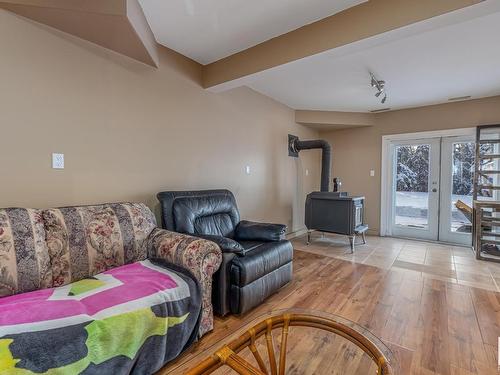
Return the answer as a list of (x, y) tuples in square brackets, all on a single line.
[(415, 184), (457, 166), (427, 178)]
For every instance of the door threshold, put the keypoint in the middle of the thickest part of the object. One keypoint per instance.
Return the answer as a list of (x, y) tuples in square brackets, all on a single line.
[(431, 241)]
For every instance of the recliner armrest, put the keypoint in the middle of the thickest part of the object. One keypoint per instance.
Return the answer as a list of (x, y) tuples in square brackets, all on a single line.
[(252, 231), (227, 245)]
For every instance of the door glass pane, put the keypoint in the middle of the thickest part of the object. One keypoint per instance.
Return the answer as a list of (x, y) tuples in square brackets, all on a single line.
[(412, 186), (463, 154)]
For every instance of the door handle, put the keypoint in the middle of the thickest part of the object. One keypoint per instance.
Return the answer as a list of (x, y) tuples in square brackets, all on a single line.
[(434, 190)]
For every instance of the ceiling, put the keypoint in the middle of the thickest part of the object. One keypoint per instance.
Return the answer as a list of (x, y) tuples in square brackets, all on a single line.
[(425, 63), (208, 30), (451, 56)]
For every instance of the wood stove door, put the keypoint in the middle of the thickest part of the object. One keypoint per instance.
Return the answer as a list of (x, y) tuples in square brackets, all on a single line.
[(415, 188)]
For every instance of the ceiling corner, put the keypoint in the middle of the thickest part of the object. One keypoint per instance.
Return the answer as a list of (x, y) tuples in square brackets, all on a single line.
[(118, 25)]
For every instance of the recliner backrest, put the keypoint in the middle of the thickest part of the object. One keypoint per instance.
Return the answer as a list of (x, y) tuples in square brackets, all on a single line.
[(167, 199), (212, 212)]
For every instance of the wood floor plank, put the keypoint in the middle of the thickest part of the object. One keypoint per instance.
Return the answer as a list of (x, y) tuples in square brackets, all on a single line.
[(487, 308), (402, 327), (466, 346), (434, 347), (403, 357), (492, 358)]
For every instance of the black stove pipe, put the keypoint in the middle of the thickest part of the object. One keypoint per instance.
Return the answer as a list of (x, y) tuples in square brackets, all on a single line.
[(326, 158)]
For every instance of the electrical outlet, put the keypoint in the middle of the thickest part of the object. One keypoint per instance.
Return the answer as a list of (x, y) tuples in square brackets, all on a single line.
[(58, 161)]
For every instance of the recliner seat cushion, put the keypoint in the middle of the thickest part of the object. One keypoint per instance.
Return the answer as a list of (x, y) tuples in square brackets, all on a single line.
[(259, 261), (215, 215)]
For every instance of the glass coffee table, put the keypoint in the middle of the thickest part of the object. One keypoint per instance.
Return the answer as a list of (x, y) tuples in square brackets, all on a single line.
[(295, 342)]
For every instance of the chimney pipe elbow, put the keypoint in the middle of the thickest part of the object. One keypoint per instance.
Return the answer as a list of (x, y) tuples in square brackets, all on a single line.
[(325, 158)]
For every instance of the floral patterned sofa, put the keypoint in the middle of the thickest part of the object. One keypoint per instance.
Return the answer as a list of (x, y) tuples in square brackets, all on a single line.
[(69, 255)]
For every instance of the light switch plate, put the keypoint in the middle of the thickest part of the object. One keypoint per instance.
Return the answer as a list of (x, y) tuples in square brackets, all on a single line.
[(58, 161), (247, 169), (372, 173), (307, 172)]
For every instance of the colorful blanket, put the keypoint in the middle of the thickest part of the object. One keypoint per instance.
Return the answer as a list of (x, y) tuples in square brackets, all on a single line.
[(132, 319)]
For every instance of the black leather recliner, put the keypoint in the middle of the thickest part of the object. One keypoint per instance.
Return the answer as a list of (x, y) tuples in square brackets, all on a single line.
[(257, 260)]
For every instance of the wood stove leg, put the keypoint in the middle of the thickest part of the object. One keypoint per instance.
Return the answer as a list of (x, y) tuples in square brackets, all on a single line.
[(364, 238), (308, 237), (352, 239)]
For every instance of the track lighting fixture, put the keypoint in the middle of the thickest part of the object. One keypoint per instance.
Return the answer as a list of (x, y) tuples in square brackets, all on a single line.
[(380, 86)]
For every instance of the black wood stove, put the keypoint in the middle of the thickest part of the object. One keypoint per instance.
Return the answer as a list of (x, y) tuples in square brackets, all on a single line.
[(335, 213), (327, 211)]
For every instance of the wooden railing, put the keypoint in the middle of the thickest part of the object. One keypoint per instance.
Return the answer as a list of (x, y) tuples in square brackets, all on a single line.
[(487, 230)]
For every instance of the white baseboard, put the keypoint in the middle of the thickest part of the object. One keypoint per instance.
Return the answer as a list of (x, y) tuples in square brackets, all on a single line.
[(301, 232), (297, 233)]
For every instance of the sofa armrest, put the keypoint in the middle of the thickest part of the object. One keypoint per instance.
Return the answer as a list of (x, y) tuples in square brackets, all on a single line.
[(252, 231), (197, 255), (227, 245)]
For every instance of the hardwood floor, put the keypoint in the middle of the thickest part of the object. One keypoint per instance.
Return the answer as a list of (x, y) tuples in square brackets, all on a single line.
[(432, 326)]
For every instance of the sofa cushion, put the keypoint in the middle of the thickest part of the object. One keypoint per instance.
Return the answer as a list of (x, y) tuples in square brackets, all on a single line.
[(128, 320), (24, 258), (83, 241), (259, 260)]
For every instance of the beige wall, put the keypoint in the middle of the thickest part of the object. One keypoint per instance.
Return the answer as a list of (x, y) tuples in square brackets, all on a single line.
[(357, 151), (128, 130)]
